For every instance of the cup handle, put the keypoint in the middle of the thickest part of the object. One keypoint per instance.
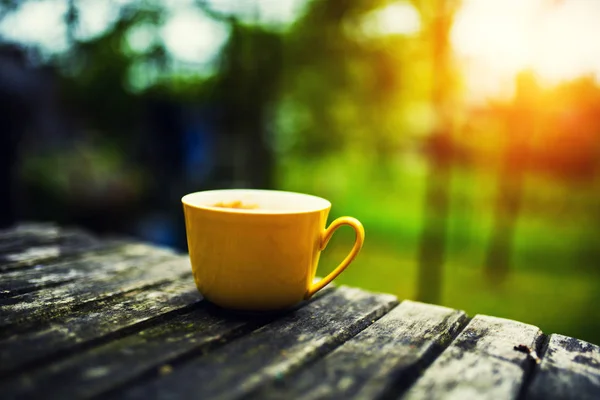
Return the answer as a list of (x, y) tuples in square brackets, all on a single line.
[(325, 236)]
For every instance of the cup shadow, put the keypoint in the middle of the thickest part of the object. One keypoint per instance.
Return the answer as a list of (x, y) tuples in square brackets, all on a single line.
[(218, 311), (221, 312)]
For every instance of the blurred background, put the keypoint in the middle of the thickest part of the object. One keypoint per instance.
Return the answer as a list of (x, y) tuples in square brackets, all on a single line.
[(465, 135)]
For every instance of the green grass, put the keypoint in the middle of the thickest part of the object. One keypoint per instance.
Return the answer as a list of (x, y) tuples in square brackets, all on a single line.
[(551, 283), (554, 302)]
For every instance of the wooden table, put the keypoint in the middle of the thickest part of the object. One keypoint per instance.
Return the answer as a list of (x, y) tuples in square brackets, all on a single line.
[(87, 318)]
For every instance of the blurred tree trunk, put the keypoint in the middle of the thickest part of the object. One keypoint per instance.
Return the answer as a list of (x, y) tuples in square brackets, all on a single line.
[(432, 247), (506, 209), (20, 88), (8, 159), (248, 83), (506, 212), (521, 123)]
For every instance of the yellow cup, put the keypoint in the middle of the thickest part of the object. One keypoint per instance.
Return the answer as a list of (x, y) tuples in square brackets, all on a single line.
[(263, 257)]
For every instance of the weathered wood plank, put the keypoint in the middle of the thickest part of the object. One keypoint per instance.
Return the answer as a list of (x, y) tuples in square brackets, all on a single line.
[(86, 326), (92, 265), (116, 362), (198, 337), (22, 244), (129, 259), (31, 228), (54, 302), (481, 363), (139, 353), (273, 351), (38, 257), (381, 360), (21, 241), (570, 369)]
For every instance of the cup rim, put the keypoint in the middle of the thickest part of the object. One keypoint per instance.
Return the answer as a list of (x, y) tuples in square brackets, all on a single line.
[(186, 200)]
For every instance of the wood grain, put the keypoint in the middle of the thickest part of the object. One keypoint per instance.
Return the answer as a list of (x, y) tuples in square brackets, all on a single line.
[(570, 369), (380, 361), (101, 321), (137, 355), (32, 308), (33, 245), (82, 317), (272, 352), (481, 363), (92, 265)]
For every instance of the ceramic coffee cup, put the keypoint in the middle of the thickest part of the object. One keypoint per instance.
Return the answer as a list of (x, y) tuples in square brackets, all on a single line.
[(258, 250)]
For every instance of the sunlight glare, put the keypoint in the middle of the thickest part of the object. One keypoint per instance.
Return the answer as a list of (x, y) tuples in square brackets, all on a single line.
[(95, 18), (38, 23), (495, 40), (394, 19), (190, 36), (141, 37)]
